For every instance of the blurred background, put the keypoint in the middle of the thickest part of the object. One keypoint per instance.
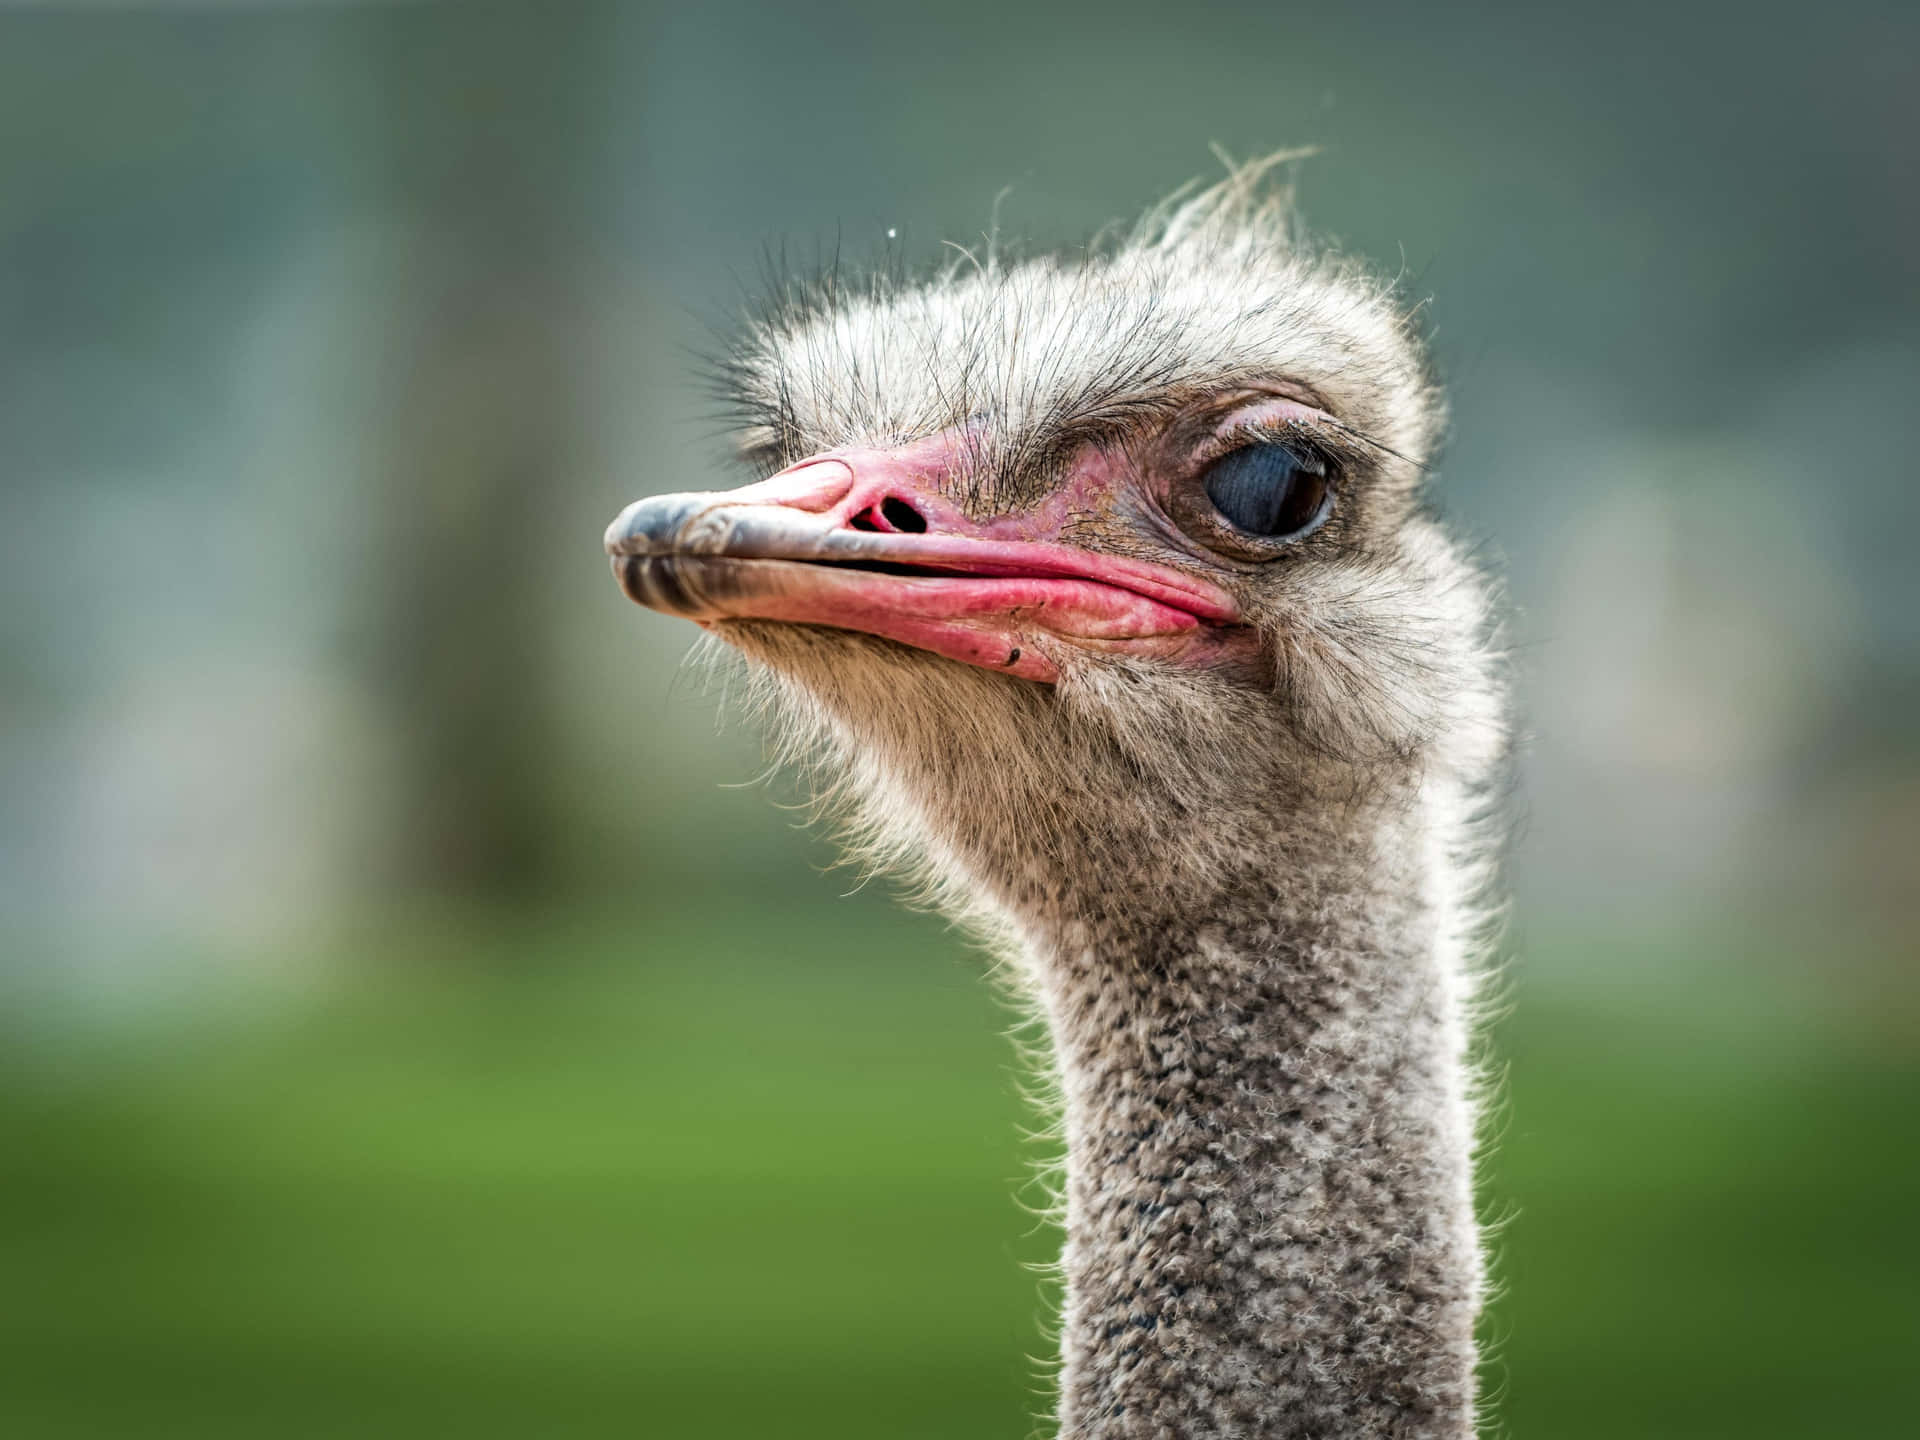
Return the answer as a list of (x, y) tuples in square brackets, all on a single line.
[(413, 1020)]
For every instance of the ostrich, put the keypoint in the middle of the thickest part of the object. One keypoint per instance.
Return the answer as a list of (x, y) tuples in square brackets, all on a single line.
[(1102, 591)]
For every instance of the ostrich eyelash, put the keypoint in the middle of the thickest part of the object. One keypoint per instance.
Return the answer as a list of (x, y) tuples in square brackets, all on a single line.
[(1326, 453), (1364, 445)]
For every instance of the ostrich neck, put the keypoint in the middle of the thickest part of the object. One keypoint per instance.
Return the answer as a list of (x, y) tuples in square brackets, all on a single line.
[(1268, 1204)]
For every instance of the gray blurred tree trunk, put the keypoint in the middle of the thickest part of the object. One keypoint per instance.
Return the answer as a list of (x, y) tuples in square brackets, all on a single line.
[(478, 125)]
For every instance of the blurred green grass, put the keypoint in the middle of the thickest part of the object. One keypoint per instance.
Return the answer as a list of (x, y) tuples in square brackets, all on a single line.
[(730, 1170)]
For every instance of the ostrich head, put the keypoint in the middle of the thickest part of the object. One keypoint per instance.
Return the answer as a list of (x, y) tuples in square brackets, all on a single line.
[(1107, 589), (1101, 567)]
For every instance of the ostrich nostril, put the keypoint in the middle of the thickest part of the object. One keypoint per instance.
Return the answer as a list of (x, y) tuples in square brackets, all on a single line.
[(902, 517), (892, 516)]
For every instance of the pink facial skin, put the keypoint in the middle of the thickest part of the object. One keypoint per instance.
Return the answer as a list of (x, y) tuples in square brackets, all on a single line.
[(1004, 593)]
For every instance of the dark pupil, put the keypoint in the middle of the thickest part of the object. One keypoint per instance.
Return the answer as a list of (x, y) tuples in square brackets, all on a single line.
[(1266, 490)]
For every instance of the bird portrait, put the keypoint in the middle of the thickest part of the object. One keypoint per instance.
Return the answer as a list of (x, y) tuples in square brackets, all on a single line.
[(879, 722), (1104, 597)]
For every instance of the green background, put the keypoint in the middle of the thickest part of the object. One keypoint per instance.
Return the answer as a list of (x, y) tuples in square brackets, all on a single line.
[(411, 1019)]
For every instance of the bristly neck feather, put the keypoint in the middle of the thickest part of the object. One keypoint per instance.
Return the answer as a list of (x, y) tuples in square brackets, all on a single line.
[(1250, 970), (1268, 1207)]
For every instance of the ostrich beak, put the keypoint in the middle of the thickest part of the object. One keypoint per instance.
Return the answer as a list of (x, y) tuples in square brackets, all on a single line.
[(868, 542)]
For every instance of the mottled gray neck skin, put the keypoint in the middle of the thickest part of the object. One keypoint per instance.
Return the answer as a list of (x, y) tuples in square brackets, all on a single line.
[(1269, 1215)]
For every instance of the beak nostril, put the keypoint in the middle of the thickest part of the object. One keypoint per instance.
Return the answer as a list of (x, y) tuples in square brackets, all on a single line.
[(901, 516), (892, 516)]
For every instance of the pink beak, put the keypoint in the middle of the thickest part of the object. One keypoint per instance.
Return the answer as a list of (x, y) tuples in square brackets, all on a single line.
[(866, 541)]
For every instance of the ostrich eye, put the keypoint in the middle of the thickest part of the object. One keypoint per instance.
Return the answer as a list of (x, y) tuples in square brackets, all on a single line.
[(1268, 490)]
